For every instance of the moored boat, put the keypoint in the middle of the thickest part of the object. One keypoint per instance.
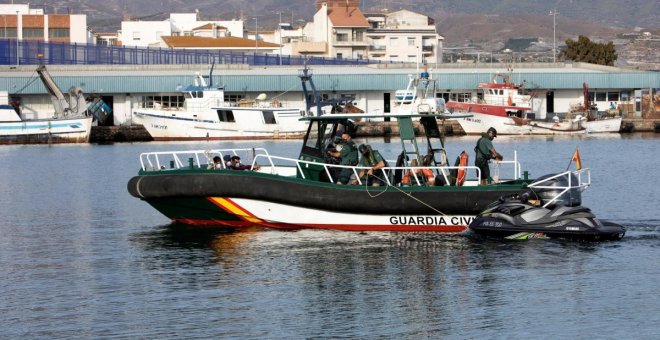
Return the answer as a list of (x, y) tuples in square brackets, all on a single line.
[(205, 114), (503, 106), (301, 191), (71, 121)]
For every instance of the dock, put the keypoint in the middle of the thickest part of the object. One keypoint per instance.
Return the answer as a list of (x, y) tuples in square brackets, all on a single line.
[(137, 133)]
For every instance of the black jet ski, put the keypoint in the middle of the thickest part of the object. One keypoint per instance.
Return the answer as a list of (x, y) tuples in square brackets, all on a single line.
[(551, 208)]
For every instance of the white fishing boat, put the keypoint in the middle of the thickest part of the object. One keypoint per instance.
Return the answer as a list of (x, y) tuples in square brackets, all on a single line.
[(206, 115), (503, 106), (70, 123)]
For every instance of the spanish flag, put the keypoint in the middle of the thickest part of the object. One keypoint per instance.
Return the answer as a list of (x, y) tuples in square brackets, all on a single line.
[(576, 159)]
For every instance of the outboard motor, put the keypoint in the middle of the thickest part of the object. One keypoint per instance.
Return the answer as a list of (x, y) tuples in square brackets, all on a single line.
[(552, 188)]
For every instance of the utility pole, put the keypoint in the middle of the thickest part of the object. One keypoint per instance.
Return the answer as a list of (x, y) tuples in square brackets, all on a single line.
[(18, 59), (256, 34), (280, 27), (554, 35)]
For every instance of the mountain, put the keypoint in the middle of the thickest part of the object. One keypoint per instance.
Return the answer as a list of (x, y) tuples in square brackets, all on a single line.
[(457, 20)]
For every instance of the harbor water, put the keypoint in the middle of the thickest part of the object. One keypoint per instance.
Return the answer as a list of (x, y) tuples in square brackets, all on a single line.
[(81, 258)]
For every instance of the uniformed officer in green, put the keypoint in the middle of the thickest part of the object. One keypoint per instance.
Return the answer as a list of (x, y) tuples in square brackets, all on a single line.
[(485, 152), (348, 153), (372, 159)]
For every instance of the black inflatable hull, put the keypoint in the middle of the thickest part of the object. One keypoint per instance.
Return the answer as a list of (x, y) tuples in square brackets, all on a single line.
[(318, 195), (567, 229)]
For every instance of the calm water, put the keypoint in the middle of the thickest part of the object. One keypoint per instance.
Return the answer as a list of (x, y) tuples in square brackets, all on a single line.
[(80, 258)]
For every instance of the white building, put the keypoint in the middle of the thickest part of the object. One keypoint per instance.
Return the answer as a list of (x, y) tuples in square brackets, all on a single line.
[(149, 33), (403, 36), (25, 23), (340, 29)]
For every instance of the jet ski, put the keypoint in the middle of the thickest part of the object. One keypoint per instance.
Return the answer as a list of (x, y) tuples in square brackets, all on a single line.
[(550, 208)]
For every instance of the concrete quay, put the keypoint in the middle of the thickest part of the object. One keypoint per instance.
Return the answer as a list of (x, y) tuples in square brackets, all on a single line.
[(137, 133)]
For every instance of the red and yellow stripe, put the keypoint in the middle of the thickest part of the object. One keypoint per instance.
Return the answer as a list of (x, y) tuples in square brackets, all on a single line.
[(231, 207)]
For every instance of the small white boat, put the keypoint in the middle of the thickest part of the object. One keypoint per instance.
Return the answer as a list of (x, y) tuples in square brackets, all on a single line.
[(71, 122), (205, 115)]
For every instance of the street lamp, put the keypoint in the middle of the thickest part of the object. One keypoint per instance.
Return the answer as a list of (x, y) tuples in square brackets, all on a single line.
[(554, 35), (18, 59), (256, 33), (280, 29)]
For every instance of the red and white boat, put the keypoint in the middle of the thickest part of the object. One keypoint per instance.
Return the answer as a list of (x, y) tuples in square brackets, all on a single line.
[(502, 105)]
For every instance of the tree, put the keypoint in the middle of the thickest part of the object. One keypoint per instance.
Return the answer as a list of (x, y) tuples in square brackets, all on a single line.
[(585, 50)]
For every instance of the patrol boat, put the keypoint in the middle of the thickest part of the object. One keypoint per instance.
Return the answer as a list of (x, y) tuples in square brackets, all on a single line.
[(549, 208), (300, 192)]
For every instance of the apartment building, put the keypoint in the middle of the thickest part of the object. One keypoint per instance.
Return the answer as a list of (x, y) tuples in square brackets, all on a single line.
[(150, 33), (21, 22), (340, 29), (403, 36)]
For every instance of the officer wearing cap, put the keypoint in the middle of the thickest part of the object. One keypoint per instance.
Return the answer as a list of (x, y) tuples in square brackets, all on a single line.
[(485, 152), (348, 153)]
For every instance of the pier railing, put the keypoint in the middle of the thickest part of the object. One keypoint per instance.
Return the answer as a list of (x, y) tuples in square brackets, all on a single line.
[(33, 52)]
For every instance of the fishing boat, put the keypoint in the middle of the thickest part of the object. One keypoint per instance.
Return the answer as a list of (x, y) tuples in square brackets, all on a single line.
[(71, 121), (300, 191), (206, 115), (501, 104)]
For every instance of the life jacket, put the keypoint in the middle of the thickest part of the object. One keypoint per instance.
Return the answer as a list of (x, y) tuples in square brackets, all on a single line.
[(461, 174), (426, 174)]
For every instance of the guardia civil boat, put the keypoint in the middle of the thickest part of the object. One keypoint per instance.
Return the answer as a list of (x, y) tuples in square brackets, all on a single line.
[(300, 191)]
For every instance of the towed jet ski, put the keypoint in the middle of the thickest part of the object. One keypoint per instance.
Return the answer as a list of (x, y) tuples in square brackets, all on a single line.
[(550, 208)]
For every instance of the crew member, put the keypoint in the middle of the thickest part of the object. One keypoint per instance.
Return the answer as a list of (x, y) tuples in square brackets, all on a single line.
[(485, 151)]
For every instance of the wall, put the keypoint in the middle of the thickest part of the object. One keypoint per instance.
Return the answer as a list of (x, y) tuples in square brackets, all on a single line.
[(149, 32), (78, 28), (565, 98)]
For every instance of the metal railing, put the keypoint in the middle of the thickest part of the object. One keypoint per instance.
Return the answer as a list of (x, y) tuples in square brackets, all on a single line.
[(582, 177), (283, 166), (172, 160), (33, 52)]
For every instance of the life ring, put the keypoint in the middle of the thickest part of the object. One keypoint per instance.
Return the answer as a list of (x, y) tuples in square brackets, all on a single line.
[(462, 171)]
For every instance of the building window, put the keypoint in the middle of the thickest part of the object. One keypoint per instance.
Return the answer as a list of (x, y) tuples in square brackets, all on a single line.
[(601, 96), (339, 55), (8, 32), (58, 33), (163, 102), (233, 98), (342, 37), (136, 35), (612, 96), (411, 41), (393, 40), (33, 33), (358, 36)]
